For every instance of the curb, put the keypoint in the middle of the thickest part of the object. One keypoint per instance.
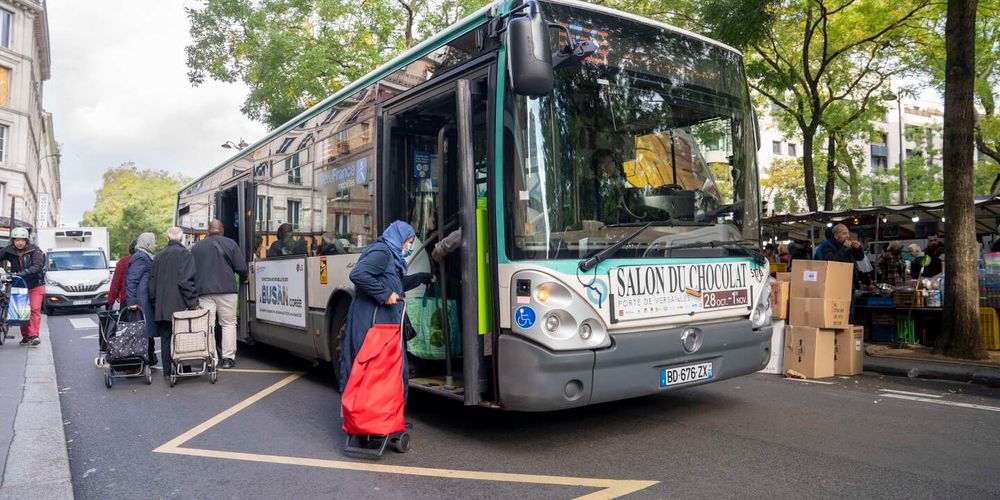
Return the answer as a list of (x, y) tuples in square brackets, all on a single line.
[(38, 463), (958, 372)]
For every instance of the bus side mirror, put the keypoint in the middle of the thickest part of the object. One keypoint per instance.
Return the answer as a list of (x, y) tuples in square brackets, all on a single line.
[(529, 56)]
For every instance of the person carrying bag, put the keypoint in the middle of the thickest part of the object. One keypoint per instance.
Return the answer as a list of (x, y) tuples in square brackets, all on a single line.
[(425, 315)]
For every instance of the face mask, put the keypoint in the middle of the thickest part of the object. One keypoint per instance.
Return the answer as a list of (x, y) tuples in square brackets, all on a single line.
[(408, 251)]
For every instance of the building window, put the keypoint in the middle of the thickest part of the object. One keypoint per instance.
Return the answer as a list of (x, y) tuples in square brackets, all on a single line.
[(306, 142), (3, 143), (4, 86), (329, 117), (342, 224), (262, 170), (776, 147), (263, 212), (879, 163), (293, 170), (284, 145), (294, 211), (792, 149), (6, 23)]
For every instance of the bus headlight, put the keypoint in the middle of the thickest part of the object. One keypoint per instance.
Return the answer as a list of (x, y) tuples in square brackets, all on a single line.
[(586, 331), (552, 323), (761, 315)]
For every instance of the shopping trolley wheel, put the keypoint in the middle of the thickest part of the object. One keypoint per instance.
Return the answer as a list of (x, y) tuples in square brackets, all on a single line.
[(108, 381), (3, 332), (173, 380), (149, 375), (401, 443), (214, 377)]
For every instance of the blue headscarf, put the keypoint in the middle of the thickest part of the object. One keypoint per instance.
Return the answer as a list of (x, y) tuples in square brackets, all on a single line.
[(394, 236)]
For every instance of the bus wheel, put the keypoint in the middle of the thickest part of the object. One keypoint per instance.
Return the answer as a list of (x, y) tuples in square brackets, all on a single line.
[(338, 327)]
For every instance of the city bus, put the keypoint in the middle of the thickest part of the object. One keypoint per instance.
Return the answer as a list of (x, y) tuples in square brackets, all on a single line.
[(599, 169)]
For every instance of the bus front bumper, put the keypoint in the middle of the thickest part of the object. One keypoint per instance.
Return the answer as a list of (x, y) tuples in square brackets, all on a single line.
[(533, 378)]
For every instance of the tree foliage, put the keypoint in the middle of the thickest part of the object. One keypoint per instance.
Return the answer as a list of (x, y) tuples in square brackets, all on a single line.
[(294, 53), (134, 201), (986, 86)]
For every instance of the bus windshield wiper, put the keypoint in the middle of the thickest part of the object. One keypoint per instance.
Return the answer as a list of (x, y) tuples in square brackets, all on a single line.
[(737, 245), (592, 262)]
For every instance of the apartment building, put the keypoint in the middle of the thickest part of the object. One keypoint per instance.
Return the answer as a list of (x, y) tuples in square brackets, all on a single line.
[(29, 154), (908, 128)]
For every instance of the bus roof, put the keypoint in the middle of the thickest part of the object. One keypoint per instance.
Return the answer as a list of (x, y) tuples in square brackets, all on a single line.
[(418, 51)]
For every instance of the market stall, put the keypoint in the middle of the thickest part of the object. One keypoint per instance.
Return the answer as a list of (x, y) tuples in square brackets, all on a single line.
[(905, 310)]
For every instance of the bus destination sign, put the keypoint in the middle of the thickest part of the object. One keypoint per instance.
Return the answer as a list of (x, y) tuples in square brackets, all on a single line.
[(642, 292)]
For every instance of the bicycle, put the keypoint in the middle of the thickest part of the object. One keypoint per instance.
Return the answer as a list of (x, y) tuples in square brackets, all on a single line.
[(6, 281)]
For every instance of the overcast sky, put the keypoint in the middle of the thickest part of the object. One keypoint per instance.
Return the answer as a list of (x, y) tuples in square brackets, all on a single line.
[(119, 92)]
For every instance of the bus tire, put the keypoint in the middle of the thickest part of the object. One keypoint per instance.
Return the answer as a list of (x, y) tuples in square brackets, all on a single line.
[(338, 322)]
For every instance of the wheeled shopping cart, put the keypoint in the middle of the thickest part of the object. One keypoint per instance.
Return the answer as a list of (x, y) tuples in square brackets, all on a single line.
[(126, 347), (192, 345)]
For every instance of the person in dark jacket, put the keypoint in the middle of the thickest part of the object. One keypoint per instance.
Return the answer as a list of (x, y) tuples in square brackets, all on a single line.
[(286, 244), (171, 289), (380, 285), (140, 268), (27, 262), (933, 255), (218, 260), (841, 248), (116, 293)]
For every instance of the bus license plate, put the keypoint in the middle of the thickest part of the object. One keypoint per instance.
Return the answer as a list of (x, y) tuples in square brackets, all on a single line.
[(685, 374)]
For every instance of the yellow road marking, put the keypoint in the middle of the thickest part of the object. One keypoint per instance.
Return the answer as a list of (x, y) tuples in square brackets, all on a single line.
[(610, 488), (252, 370)]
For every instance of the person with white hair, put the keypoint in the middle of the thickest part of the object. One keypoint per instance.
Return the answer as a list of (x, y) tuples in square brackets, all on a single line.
[(916, 265), (171, 289)]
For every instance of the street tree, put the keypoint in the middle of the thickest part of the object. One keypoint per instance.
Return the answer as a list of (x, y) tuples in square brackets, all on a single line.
[(294, 53), (959, 335), (987, 84), (134, 201), (816, 56)]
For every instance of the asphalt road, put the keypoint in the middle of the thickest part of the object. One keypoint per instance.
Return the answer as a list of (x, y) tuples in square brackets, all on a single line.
[(758, 436)]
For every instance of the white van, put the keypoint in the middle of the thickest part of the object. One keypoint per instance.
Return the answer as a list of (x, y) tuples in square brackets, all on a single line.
[(76, 270)]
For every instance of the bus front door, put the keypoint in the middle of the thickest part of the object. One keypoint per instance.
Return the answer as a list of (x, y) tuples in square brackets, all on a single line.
[(431, 158)]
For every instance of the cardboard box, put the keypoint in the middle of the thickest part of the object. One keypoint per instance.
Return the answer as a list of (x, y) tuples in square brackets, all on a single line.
[(819, 313), (849, 351), (779, 299), (816, 279), (775, 364), (809, 351), (786, 277)]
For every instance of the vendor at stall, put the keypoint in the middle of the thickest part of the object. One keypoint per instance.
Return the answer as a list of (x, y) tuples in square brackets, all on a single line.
[(841, 248), (891, 266), (916, 260), (933, 255)]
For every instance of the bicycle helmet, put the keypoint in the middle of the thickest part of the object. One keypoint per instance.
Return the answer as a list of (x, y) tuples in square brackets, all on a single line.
[(19, 233)]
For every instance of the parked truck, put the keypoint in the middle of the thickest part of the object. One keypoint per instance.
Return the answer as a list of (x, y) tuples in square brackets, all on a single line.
[(76, 270)]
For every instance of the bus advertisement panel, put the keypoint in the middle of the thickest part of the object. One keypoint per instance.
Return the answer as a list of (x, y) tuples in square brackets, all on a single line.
[(281, 291)]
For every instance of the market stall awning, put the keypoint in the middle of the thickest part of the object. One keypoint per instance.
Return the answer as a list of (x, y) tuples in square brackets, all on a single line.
[(892, 222)]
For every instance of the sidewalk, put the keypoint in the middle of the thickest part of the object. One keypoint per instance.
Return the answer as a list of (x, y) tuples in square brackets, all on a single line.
[(33, 459), (915, 363)]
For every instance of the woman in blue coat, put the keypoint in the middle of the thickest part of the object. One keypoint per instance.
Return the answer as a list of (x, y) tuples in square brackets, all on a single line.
[(380, 285), (140, 268)]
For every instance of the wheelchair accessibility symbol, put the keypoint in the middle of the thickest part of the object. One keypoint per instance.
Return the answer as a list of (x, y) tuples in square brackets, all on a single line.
[(524, 316)]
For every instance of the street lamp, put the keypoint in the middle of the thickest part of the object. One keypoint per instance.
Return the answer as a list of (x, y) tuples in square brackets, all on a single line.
[(233, 145)]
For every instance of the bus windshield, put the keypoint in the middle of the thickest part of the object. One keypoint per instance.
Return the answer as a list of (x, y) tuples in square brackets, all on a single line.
[(654, 128)]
